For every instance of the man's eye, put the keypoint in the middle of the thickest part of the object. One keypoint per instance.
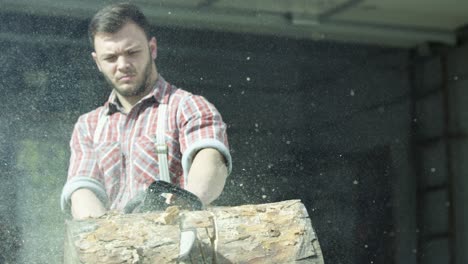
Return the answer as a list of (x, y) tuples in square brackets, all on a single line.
[(110, 58)]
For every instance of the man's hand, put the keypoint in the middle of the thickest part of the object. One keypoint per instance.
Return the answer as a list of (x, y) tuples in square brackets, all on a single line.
[(207, 175), (85, 204)]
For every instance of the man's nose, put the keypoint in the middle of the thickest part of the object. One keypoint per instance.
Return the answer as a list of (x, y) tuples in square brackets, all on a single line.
[(123, 64)]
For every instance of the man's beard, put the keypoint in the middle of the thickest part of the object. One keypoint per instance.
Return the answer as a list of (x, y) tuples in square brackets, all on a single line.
[(139, 88)]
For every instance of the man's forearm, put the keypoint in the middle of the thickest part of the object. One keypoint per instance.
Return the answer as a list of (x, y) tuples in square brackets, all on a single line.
[(207, 175), (85, 204)]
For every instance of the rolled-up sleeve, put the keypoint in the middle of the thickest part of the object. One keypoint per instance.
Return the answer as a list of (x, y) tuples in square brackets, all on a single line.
[(201, 126), (83, 171)]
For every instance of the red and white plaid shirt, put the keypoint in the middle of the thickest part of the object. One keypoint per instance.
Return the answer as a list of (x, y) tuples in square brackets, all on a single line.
[(118, 160)]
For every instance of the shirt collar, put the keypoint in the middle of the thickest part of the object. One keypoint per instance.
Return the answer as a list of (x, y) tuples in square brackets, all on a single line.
[(158, 94)]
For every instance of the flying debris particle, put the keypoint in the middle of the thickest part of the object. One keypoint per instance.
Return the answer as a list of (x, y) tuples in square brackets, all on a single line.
[(229, 86), (169, 13), (263, 189), (248, 79), (270, 166), (243, 92), (352, 92), (455, 78), (433, 170), (355, 182), (366, 246), (241, 184), (248, 58), (264, 196), (201, 78)]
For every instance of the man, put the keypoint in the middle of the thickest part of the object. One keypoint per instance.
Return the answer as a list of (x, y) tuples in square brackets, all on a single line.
[(146, 129)]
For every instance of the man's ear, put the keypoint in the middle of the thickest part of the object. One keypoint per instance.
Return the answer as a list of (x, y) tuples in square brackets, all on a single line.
[(93, 54), (153, 45)]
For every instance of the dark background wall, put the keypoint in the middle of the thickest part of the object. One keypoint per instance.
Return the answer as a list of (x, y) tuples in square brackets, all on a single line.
[(327, 123), (440, 144)]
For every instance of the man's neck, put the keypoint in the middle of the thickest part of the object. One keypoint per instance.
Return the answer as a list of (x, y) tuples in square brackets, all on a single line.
[(128, 102)]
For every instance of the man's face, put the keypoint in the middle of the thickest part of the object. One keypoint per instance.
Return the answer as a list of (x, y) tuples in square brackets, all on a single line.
[(125, 58)]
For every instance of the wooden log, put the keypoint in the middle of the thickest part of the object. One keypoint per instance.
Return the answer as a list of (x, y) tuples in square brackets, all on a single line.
[(263, 233)]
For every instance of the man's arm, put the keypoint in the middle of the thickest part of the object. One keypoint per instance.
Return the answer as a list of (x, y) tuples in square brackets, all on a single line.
[(84, 194), (85, 204), (207, 175)]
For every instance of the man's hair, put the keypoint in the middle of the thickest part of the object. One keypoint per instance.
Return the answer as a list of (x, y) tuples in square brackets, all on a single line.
[(112, 18)]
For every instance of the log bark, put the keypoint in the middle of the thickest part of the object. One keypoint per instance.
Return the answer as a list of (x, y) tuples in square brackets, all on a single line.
[(263, 233)]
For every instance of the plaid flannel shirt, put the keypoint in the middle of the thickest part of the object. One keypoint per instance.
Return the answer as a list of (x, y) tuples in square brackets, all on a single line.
[(119, 161)]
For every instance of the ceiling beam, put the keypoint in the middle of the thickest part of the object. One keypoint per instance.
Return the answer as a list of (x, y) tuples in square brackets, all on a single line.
[(322, 27), (407, 35), (207, 3), (42, 39), (338, 9)]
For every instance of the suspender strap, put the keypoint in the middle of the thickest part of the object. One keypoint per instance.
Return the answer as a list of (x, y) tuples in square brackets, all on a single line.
[(161, 146)]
